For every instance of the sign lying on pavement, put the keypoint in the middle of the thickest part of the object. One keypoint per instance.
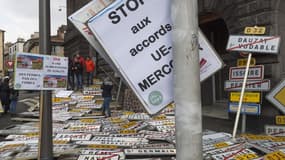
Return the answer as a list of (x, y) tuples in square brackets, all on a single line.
[(254, 73), (276, 96), (261, 44), (260, 85), (138, 40)]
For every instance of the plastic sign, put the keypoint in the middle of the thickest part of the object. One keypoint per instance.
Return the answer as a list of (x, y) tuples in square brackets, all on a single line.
[(254, 30), (138, 40), (280, 119), (254, 73), (243, 61), (276, 96), (40, 72), (251, 85), (248, 97), (247, 108), (260, 44)]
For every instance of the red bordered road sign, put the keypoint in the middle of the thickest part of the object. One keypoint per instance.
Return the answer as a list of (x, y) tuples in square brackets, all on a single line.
[(254, 73)]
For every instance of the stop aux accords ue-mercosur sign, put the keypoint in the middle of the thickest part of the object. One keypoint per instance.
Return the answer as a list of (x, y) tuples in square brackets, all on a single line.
[(137, 36)]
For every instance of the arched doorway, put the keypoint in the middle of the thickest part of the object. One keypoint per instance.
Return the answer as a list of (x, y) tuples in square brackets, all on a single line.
[(212, 89)]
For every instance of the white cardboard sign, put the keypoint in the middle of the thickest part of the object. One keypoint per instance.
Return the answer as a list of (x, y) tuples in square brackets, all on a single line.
[(138, 40), (80, 18), (40, 72)]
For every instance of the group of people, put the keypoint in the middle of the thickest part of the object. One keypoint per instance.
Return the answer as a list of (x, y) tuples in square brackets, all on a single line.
[(8, 96), (76, 66)]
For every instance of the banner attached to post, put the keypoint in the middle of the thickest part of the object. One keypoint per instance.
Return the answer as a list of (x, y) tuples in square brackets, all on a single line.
[(138, 40), (40, 72)]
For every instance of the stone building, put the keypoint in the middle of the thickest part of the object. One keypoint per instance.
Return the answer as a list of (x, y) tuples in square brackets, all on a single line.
[(57, 43), (218, 19)]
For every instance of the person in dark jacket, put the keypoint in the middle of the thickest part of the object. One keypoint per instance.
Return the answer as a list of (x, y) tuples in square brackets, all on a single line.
[(78, 69), (107, 87), (13, 100), (5, 95), (70, 74)]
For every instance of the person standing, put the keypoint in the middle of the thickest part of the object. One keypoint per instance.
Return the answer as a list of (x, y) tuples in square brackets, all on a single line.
[(5, 95), (90, 67), (70, 74), (13, 100), (81, 61), (78, 69), (107, 87)]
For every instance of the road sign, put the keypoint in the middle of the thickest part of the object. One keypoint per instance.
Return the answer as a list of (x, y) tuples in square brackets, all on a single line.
[(243, 61), (247, 108), (254, 73), (258, 85), (260, 44), (275, 130), (10, 64), (254, 30), (280, 119), (249, 97), (276, 96)]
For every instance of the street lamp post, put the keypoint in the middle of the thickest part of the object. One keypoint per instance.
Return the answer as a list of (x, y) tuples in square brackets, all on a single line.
[(45, 142)]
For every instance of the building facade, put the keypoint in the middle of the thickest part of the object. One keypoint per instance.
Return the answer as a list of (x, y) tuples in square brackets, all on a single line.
[(219, 19), (57, 43), (2, 52), (18, 46)]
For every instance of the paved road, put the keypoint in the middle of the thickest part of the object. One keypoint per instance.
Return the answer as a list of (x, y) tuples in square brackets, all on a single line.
[(5, 119)]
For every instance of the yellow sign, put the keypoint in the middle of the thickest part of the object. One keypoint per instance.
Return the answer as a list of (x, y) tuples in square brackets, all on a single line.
[(221, 145), (280, 96), (60, 142), (128, 125), (87, 120), (160, 117), (254, 30), (277, 155), (243, 61), (128, 132), (128, 113), (257, 137), (60, 99), (248, 97), (280, 119), (246, 156), (276, 96), (102, 146)]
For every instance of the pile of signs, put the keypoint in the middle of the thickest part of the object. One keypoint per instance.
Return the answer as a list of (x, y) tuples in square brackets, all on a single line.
[(80, 132)]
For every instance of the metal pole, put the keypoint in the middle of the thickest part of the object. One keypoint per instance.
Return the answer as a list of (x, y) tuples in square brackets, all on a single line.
[(243, 123), (45, 142), (241, 98), (187, 91)]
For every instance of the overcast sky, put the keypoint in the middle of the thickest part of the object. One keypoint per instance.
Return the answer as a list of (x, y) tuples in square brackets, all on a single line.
[(19, 18)]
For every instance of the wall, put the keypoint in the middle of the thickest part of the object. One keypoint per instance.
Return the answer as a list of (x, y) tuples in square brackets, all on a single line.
[(1, 52)]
